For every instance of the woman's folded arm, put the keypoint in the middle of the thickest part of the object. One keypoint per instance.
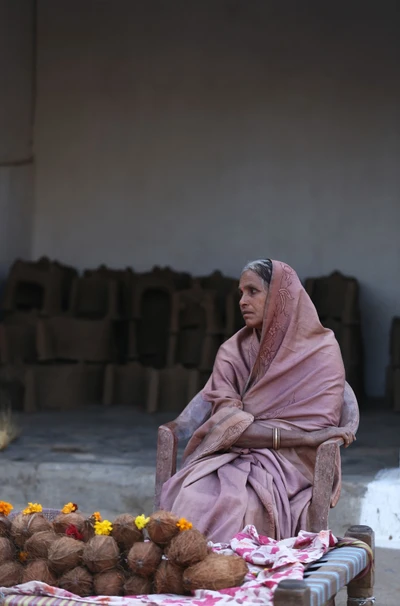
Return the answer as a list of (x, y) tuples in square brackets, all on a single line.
[(259, 436)]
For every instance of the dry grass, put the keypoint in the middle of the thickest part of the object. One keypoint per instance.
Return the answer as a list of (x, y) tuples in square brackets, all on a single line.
[(9, 430)]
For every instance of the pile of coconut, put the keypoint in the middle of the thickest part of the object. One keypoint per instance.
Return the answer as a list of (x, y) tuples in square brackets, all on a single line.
[(166, 556)]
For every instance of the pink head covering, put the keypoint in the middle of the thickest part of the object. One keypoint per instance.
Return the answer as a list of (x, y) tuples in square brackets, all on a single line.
[(294, 372)]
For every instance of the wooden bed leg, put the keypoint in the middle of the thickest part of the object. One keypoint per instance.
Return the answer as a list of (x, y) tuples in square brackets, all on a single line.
[(292, 593), (362, 589)]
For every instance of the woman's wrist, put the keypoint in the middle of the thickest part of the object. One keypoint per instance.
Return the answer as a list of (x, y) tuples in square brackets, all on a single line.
[(309, 439)]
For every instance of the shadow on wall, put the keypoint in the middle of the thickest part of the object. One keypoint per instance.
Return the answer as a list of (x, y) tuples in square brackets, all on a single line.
[(139, 339)]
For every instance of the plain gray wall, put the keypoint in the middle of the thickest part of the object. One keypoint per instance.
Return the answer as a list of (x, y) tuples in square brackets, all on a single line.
[(16, 121), (201, 134)]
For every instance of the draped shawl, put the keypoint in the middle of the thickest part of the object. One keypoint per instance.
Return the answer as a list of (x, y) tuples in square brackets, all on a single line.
[(291, 377)]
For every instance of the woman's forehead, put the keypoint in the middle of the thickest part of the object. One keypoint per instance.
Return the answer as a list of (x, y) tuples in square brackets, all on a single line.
[(250, 278)]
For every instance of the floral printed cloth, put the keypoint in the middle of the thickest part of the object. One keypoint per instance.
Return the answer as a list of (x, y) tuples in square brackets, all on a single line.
[(269, 562)]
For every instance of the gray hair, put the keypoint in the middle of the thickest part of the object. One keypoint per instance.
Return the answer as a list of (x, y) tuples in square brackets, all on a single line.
[(261, 267)]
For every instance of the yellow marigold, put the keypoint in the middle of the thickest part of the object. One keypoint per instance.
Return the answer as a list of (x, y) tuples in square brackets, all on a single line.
[(32, 508), (104, 527), (69, 508), (96, 515), (5, 508), (141, 521), (23, 556), (184, 524)]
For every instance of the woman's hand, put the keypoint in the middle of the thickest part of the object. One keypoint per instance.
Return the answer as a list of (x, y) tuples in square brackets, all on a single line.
[(315, 438)]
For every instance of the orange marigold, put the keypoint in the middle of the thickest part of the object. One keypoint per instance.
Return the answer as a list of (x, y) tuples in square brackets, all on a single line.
[(69, 508), (5, 508), (184, 524)]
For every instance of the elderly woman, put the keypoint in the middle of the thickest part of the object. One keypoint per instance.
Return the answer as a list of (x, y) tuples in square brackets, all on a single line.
[(276, 392)]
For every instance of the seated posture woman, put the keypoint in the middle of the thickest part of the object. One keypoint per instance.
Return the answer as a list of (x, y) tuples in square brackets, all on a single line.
[(276, 392)]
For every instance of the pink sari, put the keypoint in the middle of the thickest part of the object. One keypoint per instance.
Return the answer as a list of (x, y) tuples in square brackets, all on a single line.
[(293, 377)]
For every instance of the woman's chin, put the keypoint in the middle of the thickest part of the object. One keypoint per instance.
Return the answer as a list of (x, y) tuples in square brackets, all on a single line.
[(250, 323)]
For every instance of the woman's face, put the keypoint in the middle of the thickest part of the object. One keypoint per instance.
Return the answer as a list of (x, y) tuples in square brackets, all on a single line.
[(253, 295)]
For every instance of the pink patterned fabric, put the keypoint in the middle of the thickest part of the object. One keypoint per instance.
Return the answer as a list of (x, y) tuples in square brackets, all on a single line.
[(269, 562), (292, 377)]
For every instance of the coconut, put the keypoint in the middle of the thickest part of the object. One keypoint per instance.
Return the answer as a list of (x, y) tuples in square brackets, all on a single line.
[(144, 558), (101, 553), (162, 527), (64, 554), (7, 551), (168, 578), (137, 585), (39, 570), (188, 548), (87, 530), (215, 572), (11, 574), (125, 531), (24, 526), (38, 544), (63, 520), (5, 526), (110, 582), (78, 581)]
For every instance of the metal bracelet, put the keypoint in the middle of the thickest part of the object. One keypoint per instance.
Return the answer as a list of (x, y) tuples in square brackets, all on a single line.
[(275, 438)]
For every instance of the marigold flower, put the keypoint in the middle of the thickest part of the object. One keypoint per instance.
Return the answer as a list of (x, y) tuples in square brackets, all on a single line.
[(32, 508), (141, 521), (96, 515), (23, 556), (184, 524), (104, 527), (5, 508), (69, 508)]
